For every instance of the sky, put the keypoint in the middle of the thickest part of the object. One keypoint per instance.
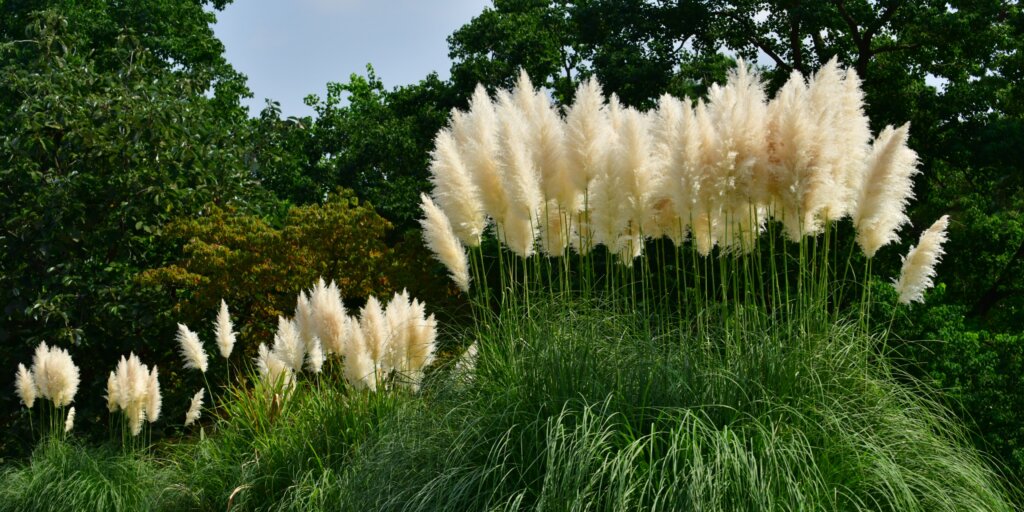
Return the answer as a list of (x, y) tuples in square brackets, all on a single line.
[(291, 48)]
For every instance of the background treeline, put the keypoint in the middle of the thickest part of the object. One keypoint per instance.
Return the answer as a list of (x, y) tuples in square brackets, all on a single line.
[(137, 191)]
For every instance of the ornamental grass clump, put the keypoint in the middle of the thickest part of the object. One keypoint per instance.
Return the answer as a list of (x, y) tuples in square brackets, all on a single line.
[(54, 378), (134, 390), (749, 191)]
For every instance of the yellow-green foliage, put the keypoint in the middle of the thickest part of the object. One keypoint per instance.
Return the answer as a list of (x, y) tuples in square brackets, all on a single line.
[(257, 267)]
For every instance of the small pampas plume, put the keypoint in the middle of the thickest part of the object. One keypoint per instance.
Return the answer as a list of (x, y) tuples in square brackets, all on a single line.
[(398, 314), (195, 408), (69, 422), (375, 329), (477, 133), (191, 349), (519, 179), (112, 392), (25, 386), (441, 240), (329, 318), (129, 388), (153, 399), (55, 375), (919, 264), (887, 188), (315, 356), (587, 134), (276, 374), (455, 191), (288, 346), (359, 369), (422, 337), (224, 331)]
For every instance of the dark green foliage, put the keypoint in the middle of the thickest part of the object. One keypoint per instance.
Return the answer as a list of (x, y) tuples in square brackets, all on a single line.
[(108, 133)]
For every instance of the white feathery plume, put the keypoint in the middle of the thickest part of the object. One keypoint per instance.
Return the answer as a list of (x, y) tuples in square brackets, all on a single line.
[(441, 240), (131, 388), (288, 347), (113, 393), (887, 187), (191, 349), (422, 337), (275, 373), (398, 319), (69, 422), (792, 146), (304, 319), (586, 134), (639, 181), (153, 399), (359, 369), (852, 145), (679, 150), (329, 317), (706, 212), (554, 235), (479, 128), (822, 198), (454, 190), (195, 408), (25, 386), (224, 331), (666, 133), (55, 374), (375, 331), (519, 179), (315, 356), (919, 264), (739, 117)]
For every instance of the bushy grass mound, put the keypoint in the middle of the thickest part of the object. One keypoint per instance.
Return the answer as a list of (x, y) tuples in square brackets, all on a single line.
[(64, 476), (570, 408)]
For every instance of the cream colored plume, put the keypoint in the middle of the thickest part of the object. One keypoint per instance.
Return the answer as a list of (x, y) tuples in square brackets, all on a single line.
[(399, 322), (375, 330), (587, 134), (737, 155), (315, 356), (191, 349), (195, 407), (707, 212), (69, 422), (422, 336), (154, 401), (328, 317), (677, 150), (359, 367), (792, 148), (25, 386), (275, 373), (519, 179), (129, 390), (547, 141), (55, 375), (919, 264), (454, 190), (477, 135), (851, 143), (288, 346), (886, 190), (438, 235), (224, 331)]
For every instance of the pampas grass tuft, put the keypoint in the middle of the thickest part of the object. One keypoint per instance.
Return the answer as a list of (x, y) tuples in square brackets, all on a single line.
[(224, 331), (195, 408), (441, 240), (919, 264), (25, 386), (192, 349)]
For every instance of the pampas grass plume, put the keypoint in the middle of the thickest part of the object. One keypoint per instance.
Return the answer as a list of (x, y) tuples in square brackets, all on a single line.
[(224, 331), (55, 374), (886, 190), (154, 401), (441, 240), (195, 408), (69, 422), (919, 264), (25, 386), (192, 349)]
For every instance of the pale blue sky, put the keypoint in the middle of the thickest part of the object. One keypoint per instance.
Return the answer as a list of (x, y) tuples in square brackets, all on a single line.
[(290, 48)]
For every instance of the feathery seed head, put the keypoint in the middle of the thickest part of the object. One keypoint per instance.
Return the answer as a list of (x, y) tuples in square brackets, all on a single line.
[(919, 264), (224, 331), (25, 386), (441, 240), (195, 408), (191, 349)]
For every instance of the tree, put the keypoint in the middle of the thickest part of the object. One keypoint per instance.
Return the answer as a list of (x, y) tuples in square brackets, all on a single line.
[(117, 118)]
